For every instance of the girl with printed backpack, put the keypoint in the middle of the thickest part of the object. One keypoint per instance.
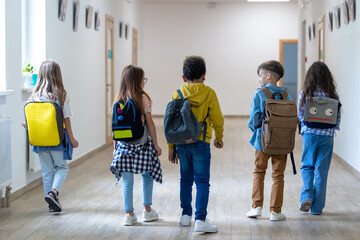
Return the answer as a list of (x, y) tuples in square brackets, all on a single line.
[(140, 155), (54, 168), (317, 142)]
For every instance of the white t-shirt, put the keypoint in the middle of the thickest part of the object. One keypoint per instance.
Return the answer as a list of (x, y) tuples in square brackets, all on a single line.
[(67, 109)]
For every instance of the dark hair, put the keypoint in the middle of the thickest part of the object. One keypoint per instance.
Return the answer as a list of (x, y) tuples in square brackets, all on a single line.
[(130, 86), (194, 67), (319, 76), (272, 66)]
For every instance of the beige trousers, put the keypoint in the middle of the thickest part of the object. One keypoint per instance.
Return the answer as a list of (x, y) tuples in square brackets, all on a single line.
[(278, 167)]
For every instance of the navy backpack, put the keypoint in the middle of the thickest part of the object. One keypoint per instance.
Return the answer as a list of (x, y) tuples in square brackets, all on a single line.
[(127, 124)]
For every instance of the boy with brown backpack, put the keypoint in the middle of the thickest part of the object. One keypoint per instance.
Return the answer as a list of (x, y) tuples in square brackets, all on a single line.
[(273, 120)]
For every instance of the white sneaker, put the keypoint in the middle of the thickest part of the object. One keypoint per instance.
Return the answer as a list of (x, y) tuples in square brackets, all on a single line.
[(185, 220), (150, 216), (305, 206), (254, 212), (205, 226), (130, 220), (277, 216)]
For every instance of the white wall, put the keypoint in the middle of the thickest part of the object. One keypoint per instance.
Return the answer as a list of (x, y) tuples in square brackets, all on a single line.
[(233, 38), (81, 58), (342, 55), (2, 46)]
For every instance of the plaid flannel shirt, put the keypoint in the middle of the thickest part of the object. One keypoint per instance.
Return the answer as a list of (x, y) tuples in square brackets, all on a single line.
[(136, 158), (316, 131)]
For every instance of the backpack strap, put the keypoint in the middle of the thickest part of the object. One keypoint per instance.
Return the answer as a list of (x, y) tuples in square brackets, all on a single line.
[(180, 93), (269, 95), (284, 95), (204, 123), (267, 92), (293, 162)]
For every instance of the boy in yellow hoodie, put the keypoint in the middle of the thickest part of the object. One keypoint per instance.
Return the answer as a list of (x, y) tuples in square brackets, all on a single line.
[(195, 157)]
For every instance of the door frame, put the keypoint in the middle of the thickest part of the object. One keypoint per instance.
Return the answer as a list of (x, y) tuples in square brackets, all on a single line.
[(321, 43), (281, 54), (134, 46), (109, 24)]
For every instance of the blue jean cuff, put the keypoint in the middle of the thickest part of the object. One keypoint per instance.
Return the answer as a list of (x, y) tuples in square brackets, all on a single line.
[(202, 218)]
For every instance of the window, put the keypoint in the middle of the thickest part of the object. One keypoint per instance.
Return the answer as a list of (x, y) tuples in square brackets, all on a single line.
[(2, 46), (33, 32)]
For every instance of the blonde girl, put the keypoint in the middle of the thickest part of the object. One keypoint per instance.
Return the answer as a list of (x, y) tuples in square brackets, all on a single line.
[(54, 168)]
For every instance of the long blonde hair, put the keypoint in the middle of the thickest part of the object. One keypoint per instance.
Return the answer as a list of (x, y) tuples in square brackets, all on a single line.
[(49, 83), (130, 86)]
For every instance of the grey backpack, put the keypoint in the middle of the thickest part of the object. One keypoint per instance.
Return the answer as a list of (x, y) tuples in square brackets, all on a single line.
[(321, 112), (180, 123)]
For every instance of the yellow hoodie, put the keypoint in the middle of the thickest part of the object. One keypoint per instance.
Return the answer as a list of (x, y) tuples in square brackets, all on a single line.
[(203, 98)]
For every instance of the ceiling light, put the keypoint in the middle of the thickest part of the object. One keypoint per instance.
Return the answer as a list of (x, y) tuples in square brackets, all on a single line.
[(268, 0)]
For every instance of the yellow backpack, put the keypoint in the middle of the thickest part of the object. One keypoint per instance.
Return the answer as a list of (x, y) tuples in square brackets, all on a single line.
[(44, 122)]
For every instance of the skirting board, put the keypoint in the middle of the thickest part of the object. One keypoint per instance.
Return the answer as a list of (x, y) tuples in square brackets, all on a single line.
[(347, 166), (38, 182)]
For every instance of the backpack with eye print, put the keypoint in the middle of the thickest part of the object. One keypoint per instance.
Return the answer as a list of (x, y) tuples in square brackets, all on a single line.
[(321, 112)]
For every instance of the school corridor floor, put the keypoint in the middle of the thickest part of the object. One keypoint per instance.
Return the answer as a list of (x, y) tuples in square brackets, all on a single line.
[(92, 204)]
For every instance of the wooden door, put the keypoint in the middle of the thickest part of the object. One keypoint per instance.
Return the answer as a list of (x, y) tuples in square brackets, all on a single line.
[(109, 75), (134, 47)]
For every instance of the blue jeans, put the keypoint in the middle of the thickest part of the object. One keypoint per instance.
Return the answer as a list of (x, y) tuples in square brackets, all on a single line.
[(315, 164), (50, 161), (128, 185), (194, 165)]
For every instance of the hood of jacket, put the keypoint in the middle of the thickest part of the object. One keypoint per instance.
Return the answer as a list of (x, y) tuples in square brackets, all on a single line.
[(196, 93)]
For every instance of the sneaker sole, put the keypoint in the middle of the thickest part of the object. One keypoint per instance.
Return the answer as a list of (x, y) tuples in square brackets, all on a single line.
[(129, 224), (254, 216), (53, 203), (305, 206), (271, 219), (150, 220), (199, 230)]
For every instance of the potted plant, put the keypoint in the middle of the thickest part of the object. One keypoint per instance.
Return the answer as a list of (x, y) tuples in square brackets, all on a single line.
[(27, 72)]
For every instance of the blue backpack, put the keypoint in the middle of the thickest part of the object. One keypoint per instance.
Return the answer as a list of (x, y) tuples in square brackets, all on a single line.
[(127, 124), (180, 123)]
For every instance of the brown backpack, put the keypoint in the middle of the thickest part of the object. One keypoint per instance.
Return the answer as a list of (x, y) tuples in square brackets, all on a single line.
[(279, 125)]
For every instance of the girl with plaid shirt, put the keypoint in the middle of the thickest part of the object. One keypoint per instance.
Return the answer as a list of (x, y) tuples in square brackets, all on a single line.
[(317, 143), (141, 155)]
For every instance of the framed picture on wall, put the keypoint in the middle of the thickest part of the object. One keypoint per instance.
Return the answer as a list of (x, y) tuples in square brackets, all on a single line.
[(97, 21), (126, 31), (88, 16), (309, 32), (330, 20), (345, 10), (62, 10), (76, 6), (352, 10), (314, 30), (121, 26), (337, 17)]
